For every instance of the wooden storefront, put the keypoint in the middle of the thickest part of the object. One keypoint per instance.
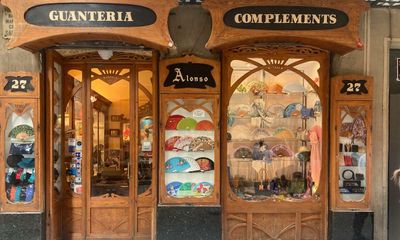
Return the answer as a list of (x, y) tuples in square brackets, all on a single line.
[(262, 133)]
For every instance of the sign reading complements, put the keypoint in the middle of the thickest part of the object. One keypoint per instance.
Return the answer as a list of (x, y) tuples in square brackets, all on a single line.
[(357, 87), (90, 15), (19, 84), (285, 18), (190, 75)]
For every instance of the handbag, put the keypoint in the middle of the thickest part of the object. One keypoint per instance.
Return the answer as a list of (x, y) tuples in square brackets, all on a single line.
[(21, 148)]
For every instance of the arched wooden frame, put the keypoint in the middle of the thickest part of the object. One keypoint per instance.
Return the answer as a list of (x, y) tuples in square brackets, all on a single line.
[(307, 214), (190, 102), (143, 210)]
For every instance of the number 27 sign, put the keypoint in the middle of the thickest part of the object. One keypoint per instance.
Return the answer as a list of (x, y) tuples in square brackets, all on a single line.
[(19, 84), (357, 87)]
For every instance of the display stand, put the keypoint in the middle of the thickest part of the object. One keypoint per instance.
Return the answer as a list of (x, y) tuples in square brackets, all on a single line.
[(20, 170), (189, 153), (351, 142)]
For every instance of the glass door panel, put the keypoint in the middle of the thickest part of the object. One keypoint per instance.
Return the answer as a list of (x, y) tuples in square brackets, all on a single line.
[(110, 106)]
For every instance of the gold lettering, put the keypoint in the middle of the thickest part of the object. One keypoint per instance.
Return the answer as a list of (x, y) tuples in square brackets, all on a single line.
[(256, 18), (128, 17), (316, 18), (71, 16), (332, 19), (63, 15), (92, 15), (277, 18), (246, 18), (268, 18), (53, 16), (101, 16), (111, 16), (307, 18), (296, 18), (285, 18), (82, 16)]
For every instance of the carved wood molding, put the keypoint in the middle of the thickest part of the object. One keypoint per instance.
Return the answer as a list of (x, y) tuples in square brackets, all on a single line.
[(341, 40), (34, 37), (117, 57)]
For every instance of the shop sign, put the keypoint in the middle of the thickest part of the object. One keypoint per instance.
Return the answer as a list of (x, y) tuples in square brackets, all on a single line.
[(285, 18), (8, 24), (90, 15), (19, 84), (356, 87), (190, 75)]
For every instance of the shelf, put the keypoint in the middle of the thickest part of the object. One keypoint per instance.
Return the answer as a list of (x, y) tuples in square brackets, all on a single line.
[(352, 167), (268, 139)]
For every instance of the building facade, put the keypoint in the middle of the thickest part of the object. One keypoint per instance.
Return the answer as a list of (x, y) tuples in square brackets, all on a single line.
[(205, 120)]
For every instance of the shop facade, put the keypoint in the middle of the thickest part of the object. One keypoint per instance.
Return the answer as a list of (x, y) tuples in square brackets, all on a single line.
[(213, 120)]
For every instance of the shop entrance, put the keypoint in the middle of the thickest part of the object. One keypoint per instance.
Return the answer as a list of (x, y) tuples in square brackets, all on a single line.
[(100, 171)]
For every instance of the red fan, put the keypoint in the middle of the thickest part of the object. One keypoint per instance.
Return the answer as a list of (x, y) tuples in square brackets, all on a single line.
[(205, 125), (170, 143), (173, 121)]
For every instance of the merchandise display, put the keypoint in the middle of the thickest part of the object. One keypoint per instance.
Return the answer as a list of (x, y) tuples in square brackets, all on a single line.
[(352, 153), (20, 156), (189, 148), (273, 151)]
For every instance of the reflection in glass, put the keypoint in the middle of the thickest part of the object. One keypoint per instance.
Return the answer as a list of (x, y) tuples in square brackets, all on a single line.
[(110, 104), (19, 151), (189, 148), (145, 143), (73, 157), (274, 130), (352, 153), (57, 111)]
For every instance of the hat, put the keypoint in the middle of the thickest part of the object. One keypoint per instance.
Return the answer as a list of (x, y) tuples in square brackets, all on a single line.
[(13, 160), (173, 121)]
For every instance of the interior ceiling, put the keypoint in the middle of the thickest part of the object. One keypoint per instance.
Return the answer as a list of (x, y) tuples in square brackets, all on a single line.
[(384, 3)]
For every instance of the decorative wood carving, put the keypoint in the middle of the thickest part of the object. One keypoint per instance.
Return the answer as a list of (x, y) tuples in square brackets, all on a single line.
[(116, 57), (34, 37), (110, 74), (341, 40)]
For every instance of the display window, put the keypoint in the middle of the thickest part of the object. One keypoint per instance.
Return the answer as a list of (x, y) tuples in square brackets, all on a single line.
[(274, 129)]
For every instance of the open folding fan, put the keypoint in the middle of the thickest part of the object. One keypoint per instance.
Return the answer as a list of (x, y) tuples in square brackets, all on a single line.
[(281, 150), (173, 121), (176, 165), (205, 164), (293, 110), (170, 143), (202, 144), (186, 124), (243, 152), (183, 143), (204, 125)]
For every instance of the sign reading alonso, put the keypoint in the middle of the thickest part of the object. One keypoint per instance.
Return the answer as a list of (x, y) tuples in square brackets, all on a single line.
[(285, 18), (90, 15), (190, 75)]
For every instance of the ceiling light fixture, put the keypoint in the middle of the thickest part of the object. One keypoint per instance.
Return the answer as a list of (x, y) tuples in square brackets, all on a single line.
[(105, 54)]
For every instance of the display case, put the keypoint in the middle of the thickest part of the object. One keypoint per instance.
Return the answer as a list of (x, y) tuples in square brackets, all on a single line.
[(20, 144), (189, 137), (351, 142)]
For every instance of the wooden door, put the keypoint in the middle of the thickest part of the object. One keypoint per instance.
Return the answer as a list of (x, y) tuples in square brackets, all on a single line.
[(106, 173)]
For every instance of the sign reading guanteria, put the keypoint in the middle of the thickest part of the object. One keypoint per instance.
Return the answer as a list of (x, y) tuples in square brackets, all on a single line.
[(285, 18), (90, 15)]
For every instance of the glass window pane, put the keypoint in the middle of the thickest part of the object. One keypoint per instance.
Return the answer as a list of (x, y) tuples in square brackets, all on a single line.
[(274, 130), (19, 151), (110, 103), (57, 118), (352, 153), (145, 148), (189, 148)]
